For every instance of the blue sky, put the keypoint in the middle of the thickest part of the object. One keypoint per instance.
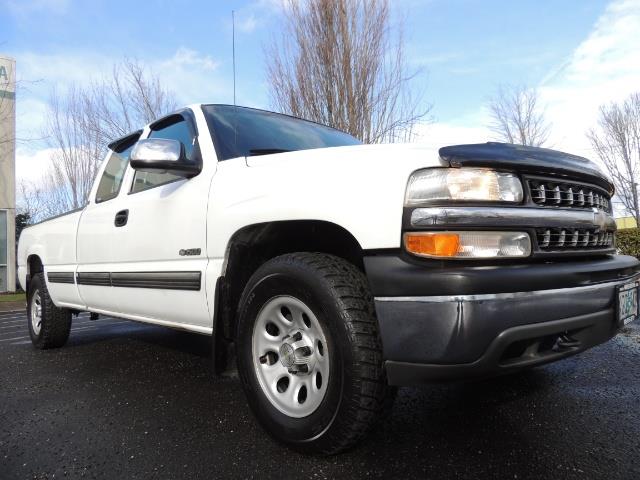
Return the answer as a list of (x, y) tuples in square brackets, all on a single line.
[(579, 53)]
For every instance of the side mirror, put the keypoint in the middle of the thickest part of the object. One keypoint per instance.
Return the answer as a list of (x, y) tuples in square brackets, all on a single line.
[(162, 155)]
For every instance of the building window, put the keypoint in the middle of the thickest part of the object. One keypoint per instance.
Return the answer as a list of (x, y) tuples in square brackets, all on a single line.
[(3, 250)]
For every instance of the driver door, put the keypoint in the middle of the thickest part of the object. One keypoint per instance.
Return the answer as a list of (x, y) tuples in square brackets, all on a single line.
[(159, 250)]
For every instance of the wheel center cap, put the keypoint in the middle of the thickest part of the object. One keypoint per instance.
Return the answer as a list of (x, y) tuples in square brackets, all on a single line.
[(287, 355)]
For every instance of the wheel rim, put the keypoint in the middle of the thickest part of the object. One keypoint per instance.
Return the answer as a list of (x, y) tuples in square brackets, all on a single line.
[(290, 356), (36, 312)]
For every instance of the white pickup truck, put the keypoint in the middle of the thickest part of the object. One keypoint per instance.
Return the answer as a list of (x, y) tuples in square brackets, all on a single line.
[(331, 271)]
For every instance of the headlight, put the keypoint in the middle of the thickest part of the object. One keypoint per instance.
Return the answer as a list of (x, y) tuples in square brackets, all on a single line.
[(435, 185), (468, 244)]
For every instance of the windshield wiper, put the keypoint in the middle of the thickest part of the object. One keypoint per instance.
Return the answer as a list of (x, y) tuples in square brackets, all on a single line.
[(266, 151)]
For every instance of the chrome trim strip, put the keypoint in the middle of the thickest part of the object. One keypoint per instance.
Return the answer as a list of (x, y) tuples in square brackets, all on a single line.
[(511, 217), (505, 296)]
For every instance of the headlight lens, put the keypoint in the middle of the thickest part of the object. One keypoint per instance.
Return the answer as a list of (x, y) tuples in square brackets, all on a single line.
[(468, 244), (434, 185)]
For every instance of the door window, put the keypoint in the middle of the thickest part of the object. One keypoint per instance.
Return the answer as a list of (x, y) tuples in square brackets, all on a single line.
[(176, 130), (111, 180)]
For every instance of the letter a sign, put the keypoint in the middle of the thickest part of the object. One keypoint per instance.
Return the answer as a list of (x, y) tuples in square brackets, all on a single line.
[(7, 79)]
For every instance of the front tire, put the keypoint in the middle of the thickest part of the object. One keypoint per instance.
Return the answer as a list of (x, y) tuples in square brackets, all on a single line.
[(49, 326), (309, 352)]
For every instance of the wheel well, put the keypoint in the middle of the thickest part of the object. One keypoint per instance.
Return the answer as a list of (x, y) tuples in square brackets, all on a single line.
[(254, 245), (34, 266)]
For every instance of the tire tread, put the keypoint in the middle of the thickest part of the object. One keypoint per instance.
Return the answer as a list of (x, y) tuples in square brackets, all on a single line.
[(371, 396), (56, 322)]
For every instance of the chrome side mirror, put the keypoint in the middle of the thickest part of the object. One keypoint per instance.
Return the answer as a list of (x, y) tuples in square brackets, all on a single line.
[(162, 155)]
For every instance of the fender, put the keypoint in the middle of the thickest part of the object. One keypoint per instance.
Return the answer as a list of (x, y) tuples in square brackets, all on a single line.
[(342, 186)]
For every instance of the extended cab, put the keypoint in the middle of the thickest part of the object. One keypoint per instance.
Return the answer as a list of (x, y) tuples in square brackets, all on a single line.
[(332, 271)]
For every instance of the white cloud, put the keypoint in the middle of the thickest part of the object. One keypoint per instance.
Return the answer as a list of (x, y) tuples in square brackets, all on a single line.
[(186, 57), (247, 24), (258, 13), (605, 67), (191, 75), (440, 134), (30, 115), (45, 71), (275, 6), (31, 165)]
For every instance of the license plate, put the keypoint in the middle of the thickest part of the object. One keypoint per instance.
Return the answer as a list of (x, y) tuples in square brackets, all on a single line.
[(628, 303)]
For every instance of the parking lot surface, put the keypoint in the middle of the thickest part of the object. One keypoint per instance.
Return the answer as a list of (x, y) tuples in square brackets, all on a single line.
[(126, 400)]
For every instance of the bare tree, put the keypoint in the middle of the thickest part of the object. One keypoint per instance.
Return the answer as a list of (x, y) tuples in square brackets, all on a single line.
[(32, 201), (82, 121), (517, 116), (339, 64), (616, 140)]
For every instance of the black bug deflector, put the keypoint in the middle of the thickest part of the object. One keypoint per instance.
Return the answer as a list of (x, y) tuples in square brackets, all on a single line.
[(525, 160)]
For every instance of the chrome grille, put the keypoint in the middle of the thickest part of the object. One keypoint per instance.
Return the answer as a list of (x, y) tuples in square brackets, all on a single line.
[(561, 194), (573, 239)]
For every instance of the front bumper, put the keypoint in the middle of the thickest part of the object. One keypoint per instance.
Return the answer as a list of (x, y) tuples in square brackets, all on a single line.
[(440, 322)]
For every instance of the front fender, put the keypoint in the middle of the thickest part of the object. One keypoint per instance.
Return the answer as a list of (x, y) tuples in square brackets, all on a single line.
[(363, 193)]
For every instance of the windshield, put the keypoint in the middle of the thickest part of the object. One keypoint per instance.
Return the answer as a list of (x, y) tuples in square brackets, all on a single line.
[(241, 131)]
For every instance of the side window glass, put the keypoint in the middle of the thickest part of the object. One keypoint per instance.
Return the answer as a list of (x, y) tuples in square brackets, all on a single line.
[(175, 131), (111, 180)]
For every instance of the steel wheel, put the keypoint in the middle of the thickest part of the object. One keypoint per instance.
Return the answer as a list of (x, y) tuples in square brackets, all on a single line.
[(49, 325), (290, 356), (36, 312)]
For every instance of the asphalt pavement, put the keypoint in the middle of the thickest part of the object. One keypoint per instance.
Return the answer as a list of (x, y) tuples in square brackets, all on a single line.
[(124, 400)]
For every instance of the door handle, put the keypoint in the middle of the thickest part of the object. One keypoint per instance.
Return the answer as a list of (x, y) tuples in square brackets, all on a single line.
[(121, 218)]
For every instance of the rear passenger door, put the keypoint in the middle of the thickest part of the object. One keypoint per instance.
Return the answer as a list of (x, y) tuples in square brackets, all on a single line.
[(160, 253)]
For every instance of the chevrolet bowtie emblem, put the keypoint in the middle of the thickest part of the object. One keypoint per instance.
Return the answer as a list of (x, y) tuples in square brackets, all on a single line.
[(599, 219)]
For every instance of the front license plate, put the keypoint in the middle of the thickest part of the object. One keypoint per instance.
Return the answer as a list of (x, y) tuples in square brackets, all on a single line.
[(627, 303)]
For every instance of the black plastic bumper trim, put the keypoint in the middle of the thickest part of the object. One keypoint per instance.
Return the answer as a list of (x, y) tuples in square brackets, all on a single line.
[(589, 330), (60, 277)]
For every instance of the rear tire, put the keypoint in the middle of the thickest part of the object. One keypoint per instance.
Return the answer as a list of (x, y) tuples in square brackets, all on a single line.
[(320, 307), (49, 326)]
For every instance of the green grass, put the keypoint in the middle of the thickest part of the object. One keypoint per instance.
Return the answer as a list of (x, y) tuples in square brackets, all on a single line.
[(12, 297)]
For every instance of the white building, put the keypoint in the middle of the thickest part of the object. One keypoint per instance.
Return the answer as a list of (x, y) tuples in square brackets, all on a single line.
[(7, 174)]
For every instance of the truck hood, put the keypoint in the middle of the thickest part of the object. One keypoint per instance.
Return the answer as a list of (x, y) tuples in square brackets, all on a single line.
[(406, 158), (409, 157)]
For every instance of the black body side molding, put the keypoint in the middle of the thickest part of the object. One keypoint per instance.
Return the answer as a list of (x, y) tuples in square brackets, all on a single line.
[(60, 277), (155, 280)]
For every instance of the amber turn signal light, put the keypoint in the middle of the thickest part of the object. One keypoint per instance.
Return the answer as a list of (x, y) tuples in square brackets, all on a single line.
[(466, 244), (432, 244)]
